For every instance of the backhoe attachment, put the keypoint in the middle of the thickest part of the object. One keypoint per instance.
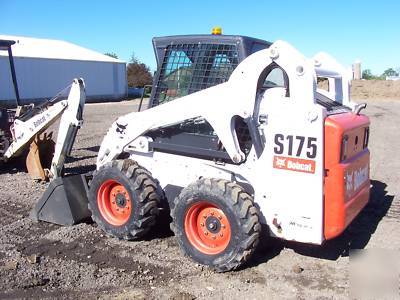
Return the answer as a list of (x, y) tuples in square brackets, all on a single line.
[(38, 160), (65, 200)]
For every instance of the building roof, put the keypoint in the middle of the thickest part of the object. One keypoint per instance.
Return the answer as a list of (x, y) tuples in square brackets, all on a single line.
[(53, 49)]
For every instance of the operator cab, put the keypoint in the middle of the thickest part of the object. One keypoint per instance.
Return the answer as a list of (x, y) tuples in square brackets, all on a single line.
[(190, 63), (187, 64)]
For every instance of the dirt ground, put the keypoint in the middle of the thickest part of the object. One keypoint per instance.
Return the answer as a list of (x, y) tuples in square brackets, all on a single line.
[(375, 89), (41, 260)]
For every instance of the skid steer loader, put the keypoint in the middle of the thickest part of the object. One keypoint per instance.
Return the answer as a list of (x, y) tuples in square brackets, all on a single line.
[(237, 134)]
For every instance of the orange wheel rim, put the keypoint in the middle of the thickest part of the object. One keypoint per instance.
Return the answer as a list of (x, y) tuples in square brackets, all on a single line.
[(207, 228), (114, 202)]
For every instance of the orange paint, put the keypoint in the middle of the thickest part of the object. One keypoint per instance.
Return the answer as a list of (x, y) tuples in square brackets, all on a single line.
[(114, 213), (347, 183), (198, 232)]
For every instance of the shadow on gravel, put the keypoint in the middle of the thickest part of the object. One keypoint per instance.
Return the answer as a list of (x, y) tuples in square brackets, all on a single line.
[(80, 169), (13, 166), (359, 232), (18, 165), (92, 149), (71, 159), (267, 249), (161, 229)]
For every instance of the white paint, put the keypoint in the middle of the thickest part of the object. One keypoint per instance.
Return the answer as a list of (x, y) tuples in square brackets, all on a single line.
[(53, 49), (294, 199)]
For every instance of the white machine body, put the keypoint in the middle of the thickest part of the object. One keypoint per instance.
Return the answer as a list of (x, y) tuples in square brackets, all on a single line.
[(284, 170)]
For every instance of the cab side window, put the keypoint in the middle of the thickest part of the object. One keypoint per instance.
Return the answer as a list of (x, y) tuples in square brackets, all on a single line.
[(275, 78), (176, 76)]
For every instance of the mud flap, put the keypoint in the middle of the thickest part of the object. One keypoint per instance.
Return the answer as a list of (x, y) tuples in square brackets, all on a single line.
[(65, 201)]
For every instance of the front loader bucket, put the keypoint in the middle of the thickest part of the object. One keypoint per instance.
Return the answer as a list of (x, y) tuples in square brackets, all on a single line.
[(64, 202), (39, 158)]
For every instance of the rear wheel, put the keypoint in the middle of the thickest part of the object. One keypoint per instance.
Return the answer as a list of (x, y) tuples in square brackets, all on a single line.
[(123, 199), (216, 223)]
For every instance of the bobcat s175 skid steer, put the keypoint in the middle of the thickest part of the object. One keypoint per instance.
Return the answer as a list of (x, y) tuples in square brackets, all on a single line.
[(237, 134)]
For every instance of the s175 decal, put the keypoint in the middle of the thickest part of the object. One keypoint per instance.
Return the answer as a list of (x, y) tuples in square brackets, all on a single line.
[(295, 145)]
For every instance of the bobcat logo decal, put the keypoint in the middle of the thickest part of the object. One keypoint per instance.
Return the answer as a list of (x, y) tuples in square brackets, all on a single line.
[(121, 128)]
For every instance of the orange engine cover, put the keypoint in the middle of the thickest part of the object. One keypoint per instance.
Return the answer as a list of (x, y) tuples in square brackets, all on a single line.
[(347, 183)]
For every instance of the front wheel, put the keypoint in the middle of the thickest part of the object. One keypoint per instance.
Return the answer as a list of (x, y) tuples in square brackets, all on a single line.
[(123, 199), (216, 223)]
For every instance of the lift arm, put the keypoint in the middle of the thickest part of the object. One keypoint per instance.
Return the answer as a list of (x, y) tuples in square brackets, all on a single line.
[(71, 121)]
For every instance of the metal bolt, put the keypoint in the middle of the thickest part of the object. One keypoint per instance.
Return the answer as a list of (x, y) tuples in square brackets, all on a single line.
[(221, 234), (223, 226), (236, 158), (202, 224), (205, 233), (205, 216), (212, 213), (300, 70), (273, 53), (214, 237), (220, 217)]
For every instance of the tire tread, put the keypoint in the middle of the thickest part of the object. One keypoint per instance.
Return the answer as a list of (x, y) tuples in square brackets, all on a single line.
[(242, 203), (149, 198)]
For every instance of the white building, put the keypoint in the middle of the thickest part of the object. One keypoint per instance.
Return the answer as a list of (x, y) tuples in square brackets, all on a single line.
[(44, 67), (393, 78)]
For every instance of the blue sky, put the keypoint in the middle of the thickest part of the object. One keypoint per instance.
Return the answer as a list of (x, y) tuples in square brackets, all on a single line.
[(349, 30)]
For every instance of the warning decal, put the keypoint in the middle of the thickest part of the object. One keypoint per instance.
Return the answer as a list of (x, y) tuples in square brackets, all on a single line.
[(294, 164)]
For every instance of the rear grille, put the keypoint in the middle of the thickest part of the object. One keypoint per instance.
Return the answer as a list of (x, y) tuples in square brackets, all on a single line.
[(331, 106)]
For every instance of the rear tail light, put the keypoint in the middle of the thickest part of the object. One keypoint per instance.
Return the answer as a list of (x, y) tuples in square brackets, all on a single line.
[(366, 137), (343, 150)]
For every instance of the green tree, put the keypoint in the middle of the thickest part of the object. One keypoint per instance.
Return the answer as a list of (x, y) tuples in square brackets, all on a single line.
[(138, 73), (389, 72), (111, 54), (367, 74)]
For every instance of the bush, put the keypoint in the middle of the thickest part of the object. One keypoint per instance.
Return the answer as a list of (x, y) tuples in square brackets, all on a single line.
[(367, 74), (138, 73)]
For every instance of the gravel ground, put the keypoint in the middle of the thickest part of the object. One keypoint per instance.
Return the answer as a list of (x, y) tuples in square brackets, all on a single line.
[(41, 260)]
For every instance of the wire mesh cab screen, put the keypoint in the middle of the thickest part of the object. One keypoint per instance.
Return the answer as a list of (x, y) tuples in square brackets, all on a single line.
[(188, 68), (190, 63)]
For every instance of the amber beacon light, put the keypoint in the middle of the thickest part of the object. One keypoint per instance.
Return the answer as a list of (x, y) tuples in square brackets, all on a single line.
[(216, 30)]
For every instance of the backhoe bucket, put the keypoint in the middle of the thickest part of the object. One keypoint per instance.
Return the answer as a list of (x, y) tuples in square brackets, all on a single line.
[(64, 202), (39, 158)]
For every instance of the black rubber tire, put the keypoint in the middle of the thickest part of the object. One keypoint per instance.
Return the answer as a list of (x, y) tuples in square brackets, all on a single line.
[(142, 190), (4, 144), (237, 205)]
